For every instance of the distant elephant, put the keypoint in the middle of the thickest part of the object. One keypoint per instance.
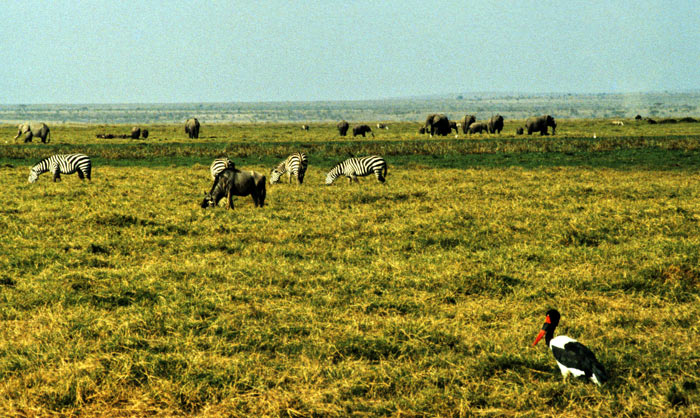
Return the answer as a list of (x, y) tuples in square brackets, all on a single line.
[(478, 127), (343, 127), (437, 124), (305, 127), (31, 130), (454, 126), (495, 124), (192, 128), (144, 133), (135, 133), (519, 131), (361, 130), (540, 124), (466, 121)]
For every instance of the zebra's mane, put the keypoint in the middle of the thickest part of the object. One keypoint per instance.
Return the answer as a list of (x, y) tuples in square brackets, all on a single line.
[(40, 161), (338, 165)]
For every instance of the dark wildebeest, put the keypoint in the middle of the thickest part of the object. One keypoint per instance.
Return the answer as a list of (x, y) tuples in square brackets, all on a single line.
[(361, 130), (233, 182), (144, 133)]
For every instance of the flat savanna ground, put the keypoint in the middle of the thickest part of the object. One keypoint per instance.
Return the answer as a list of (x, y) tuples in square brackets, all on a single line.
[(418, 297)]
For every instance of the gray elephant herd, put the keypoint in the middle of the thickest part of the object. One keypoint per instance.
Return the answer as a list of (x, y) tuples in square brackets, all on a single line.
[(439, 124), (435, 124), (344, 126), (32, 130)]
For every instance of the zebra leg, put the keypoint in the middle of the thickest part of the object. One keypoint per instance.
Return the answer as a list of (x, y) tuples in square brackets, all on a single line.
[(379, 175), (56, 176), (81, 176)]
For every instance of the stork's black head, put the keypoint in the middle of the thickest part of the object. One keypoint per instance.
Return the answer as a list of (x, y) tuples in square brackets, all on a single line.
[(552, 318), (550, 323)]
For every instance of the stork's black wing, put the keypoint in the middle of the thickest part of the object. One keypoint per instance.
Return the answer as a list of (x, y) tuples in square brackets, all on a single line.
[(577, 356)]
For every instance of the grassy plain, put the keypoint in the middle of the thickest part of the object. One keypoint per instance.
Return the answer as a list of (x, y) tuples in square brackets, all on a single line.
[(420, 297)]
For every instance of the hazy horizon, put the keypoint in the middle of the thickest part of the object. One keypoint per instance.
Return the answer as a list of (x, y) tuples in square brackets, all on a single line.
[(603, 105), (103, 52), (427, 97), (436, 96)]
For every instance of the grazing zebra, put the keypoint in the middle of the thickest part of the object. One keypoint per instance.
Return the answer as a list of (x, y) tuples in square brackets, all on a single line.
[(62, 163), (295, 165), (219, 165), (358, 167)]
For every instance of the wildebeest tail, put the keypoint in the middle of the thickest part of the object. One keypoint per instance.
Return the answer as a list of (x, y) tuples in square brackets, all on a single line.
[(262, 191)]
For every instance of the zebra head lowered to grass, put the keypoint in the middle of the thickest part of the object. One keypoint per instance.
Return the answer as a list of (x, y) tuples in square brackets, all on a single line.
[(62, 164), (355, 167), (219, 165), (295, 165)]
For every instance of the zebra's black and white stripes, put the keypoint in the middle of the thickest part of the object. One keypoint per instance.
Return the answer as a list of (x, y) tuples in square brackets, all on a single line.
[(219, 165), (358, 167), (295, 165), (62, 164)]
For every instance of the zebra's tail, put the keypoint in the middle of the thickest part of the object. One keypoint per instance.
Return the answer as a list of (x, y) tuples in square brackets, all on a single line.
[(386, 168)]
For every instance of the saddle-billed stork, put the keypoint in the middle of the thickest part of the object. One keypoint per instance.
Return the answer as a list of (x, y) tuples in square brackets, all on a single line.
[(572, 357)]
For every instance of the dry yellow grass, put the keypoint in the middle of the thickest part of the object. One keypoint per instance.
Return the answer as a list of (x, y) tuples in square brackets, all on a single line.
[(421, 297)]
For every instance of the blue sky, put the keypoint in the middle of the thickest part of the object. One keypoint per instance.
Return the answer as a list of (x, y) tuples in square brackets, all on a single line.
[(190, 51)]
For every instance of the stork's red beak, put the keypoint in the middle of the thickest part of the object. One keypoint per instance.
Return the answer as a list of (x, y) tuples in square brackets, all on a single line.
[(543, 330), (539, 337)]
